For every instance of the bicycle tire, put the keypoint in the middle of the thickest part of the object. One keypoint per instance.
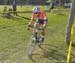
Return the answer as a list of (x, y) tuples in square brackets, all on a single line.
[(31, 48)]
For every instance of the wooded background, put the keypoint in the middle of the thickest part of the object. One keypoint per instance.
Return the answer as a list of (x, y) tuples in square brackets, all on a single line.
[(33, 2)]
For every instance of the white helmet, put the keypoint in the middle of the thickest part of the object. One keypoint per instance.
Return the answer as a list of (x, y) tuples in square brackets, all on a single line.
[(36, 9)]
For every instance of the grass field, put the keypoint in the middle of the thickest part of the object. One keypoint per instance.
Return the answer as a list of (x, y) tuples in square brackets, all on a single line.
[(24, 8), (15, 38)]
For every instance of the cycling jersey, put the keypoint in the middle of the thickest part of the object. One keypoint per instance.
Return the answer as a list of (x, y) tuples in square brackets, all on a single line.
[(42, 15)]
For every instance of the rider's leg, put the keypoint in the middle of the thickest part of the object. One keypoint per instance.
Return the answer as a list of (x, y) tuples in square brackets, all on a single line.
[(43, 30)]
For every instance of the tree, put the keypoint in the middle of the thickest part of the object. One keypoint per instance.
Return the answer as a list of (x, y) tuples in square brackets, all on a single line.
[(61, 2), (68, 1), (23, 1), (5, 2), (5, 7)]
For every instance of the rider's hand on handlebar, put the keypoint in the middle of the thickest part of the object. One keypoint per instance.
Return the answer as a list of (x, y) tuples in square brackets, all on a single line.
[(29, 25)]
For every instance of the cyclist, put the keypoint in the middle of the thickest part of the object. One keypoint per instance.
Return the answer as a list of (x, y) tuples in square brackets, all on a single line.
[(41, 20)]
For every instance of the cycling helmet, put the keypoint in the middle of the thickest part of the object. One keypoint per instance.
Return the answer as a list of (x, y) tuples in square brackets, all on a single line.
[(36, 9)]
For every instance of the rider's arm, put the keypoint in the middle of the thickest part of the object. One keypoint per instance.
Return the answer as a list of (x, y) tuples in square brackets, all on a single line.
[(32, 19), (44, 16)]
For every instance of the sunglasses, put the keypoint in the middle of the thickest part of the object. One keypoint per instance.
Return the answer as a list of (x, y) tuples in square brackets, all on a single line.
[(35, 13)]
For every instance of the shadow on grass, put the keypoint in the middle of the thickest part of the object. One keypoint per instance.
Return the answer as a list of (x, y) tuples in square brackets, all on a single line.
[(73, 44), (30, 57), (50, 51), (53, 52), (33, 59), (17, 18), (24, 17), (72, 61)]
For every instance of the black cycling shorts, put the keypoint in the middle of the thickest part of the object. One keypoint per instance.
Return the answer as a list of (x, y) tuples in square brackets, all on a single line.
[(40, 21)]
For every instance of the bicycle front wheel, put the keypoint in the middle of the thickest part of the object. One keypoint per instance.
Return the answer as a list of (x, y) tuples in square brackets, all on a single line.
[(31, 47)]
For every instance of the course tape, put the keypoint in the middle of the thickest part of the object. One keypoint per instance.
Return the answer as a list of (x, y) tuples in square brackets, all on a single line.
[(70, 47)]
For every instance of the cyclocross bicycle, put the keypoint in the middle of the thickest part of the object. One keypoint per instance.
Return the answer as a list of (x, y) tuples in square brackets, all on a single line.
[(36, 39)]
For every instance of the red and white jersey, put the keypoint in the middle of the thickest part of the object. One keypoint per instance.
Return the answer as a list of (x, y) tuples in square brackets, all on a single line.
[(42, 15)]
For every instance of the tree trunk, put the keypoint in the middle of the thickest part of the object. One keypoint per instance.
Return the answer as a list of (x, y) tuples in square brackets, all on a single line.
[(60, 2), (5, 2), (71, 18), (14, 1)]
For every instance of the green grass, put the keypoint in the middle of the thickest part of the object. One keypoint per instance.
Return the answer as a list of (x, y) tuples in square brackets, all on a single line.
[(14, 40)]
